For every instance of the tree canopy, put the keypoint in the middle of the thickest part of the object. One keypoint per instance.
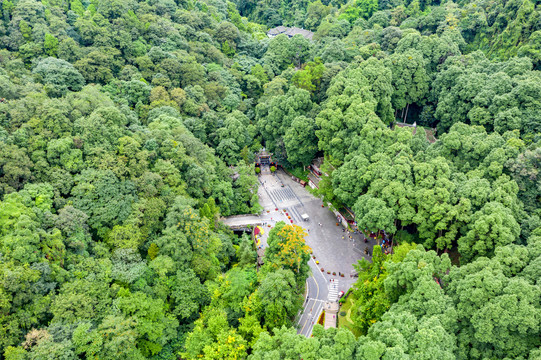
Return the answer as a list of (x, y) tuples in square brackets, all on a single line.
[(129, 128)]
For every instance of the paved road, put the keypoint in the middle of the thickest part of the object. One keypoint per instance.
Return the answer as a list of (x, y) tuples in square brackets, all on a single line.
[(316, 293), (332, 246)]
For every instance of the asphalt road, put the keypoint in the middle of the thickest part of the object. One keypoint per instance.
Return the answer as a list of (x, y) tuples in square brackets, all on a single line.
[(316, 294), (335, 250)]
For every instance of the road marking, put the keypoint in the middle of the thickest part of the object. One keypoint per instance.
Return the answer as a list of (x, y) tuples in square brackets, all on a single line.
[(333, 291), (317, 286), (307, 317), (315, 299), (316, 316), (317, 266)]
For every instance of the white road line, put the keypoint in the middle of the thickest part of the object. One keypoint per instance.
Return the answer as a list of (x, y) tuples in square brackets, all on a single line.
[(317, 266), (317, 314)]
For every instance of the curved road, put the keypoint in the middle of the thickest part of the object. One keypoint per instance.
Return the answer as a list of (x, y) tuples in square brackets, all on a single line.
[(316, 295)]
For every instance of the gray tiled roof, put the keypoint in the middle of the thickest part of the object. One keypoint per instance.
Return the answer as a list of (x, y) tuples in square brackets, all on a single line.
[(277, 30), (290, 31)]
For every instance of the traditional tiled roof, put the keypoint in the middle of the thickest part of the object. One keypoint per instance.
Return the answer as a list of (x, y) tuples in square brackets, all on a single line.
[(296, 31), (277, 30), (290, 32)]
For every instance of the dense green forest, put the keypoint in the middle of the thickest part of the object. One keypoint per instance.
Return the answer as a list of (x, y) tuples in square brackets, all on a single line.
[(128, 127)]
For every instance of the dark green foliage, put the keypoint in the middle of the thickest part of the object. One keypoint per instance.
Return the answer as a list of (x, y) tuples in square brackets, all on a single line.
[(128, 128)]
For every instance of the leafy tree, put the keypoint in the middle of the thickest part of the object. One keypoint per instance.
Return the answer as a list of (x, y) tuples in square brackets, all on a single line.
[(350, 107), (15, 168), (103, 197), (493, 225), (300, 141), (153, 327), (309, 78), (287, 248), (212, 337), (187, 294), (115, 336), (370, 301), (410, 81), (236, 133), (359, 9), (315, 12), (58, 76), (275, 117), (246, 255), (380, 77), (373, 214), (278, 294), (481, 331), (51, 45)]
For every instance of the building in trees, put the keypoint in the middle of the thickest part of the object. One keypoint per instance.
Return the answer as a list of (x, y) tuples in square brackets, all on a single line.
[(263, 158), (290, 32)]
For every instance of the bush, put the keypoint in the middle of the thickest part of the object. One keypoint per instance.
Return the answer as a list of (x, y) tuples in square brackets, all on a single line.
[(273, 168), (342, 313), (257, 170)]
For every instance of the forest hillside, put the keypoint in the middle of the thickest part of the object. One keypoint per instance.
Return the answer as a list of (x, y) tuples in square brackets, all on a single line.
[(128, 128)]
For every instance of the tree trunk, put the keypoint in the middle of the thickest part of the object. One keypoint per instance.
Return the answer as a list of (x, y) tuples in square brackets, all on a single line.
[(405, 116)]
